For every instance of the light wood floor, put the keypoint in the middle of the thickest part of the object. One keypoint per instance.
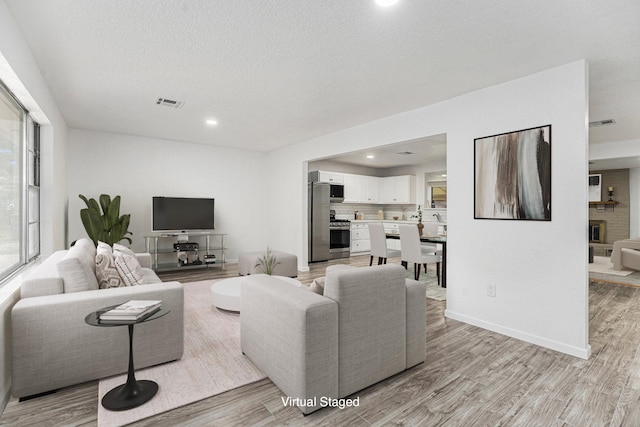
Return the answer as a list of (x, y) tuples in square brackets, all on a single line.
[(472, 377)]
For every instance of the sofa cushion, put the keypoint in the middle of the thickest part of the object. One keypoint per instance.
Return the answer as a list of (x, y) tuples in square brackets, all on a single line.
[(150, 276), (77, 269), (317, 286), (45, 279), (90, 248), (129, 268), (106, 271), (117, 247)]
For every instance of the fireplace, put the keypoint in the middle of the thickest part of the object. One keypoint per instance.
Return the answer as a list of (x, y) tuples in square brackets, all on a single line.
[(596, 232)]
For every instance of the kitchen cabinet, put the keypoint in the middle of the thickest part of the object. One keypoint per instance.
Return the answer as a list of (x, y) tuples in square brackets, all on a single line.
[(353, 188), (360, 240), (397, 189), (371, 184), (360, 188), (324, 176)]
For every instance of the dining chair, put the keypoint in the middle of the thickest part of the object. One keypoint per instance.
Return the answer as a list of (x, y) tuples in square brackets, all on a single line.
[(411, 251), (379, 244), (430, 229)]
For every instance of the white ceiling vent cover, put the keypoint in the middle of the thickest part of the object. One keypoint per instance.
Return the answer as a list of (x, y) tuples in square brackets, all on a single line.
[(169, 103)]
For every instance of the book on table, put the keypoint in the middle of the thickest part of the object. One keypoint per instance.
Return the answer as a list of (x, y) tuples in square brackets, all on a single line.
[(131, 310)]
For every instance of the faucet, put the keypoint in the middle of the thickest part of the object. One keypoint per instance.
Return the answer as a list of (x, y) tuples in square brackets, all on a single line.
[(438, 217)]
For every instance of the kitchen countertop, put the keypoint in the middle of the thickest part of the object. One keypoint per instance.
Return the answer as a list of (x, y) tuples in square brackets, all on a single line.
[(399, 221)]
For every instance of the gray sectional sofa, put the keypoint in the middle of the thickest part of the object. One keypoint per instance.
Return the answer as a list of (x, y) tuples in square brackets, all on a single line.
[(53, 347), (369, 324)]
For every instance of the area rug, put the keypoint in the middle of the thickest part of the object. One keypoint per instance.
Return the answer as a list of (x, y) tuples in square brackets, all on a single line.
[(603, 265), (212, 363), (434, 291)]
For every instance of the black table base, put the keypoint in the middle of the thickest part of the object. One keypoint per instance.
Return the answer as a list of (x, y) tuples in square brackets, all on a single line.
[(133, 393), (128, 396)]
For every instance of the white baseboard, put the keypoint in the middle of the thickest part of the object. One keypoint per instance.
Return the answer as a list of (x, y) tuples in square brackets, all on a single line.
[(303, 269), (580, 352)]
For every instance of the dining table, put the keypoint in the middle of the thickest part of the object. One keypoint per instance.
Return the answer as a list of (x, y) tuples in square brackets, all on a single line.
[(439, 239)]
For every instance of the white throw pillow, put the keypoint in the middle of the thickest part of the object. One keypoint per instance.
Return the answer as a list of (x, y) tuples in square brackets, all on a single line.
[(129, 268), (317, 286), (117, 247), (77, 270), (106, 271), (105, 247)]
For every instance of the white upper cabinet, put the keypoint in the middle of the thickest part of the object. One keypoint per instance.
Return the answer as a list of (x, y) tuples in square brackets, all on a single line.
[(371, 189), (398, 189), (324, 176), (371, 184), (353, 188), (360, 188)]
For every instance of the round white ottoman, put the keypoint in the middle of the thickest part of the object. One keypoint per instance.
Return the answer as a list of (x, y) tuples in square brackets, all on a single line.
[(226, 294)]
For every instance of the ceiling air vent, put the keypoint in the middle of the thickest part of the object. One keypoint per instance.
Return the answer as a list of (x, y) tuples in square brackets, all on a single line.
[(406, 153), (169, 103), (605, 122)]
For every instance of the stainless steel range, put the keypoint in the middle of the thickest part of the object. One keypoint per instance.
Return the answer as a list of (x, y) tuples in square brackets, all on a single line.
[(329, 238), (339, 237)]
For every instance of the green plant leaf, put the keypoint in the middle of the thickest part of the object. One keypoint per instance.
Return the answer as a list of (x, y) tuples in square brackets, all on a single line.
[(106, 225), (92, 224), (105, 201), (113, 214)]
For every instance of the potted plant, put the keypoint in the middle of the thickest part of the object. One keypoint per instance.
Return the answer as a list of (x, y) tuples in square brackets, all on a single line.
[(103, 221), (420, 224), (268, 262)]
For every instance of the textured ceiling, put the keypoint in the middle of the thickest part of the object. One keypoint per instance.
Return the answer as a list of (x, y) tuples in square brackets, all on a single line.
[(276, 72)]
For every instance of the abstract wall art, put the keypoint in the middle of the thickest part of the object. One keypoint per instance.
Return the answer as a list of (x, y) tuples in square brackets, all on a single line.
[(513, 175)]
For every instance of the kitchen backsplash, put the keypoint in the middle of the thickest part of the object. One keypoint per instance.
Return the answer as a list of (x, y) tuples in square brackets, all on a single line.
[(403, 212)]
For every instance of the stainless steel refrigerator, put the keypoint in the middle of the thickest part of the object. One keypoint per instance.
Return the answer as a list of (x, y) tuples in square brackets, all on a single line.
[(319, 235)]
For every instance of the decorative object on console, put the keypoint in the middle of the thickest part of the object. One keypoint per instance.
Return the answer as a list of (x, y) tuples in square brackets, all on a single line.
[(513, 175), (106, 225)]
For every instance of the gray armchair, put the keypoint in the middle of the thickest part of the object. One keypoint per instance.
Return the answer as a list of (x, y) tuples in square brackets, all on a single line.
[(626, 254), (369, 325)]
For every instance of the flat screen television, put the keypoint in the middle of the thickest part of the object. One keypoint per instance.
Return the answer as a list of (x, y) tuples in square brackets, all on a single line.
[(180, 214)]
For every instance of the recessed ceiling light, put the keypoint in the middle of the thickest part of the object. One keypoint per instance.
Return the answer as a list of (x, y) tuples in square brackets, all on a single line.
[(211, 122), (370, 156), (386, 3), (443, 175)]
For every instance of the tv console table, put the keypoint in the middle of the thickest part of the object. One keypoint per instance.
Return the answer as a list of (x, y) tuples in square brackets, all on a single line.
[(179, 251)]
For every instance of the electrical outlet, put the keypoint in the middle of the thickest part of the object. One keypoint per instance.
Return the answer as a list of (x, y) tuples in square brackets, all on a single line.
[(491, 290)]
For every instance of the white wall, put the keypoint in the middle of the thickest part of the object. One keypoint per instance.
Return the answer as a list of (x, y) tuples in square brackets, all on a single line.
[(539, 268), (22, 76), (634, 202), (138, 168)]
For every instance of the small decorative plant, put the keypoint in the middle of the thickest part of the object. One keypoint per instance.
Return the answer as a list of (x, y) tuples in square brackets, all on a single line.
[(419, 214), (268, 262), (106, 225)]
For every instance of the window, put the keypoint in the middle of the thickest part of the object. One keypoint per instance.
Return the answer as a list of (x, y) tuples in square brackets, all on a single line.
[(19, 185)]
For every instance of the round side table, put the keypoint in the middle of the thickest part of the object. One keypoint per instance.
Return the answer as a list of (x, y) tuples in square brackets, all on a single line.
[(133, 393)]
